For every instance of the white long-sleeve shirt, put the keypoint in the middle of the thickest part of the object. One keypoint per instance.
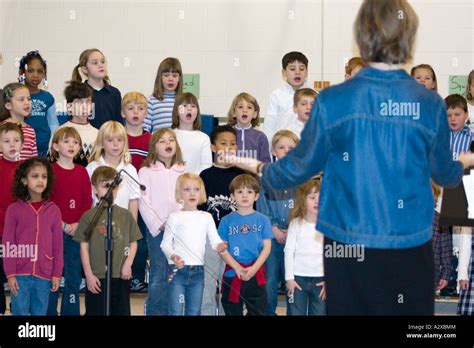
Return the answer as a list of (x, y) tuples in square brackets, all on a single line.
[(279, 113), (465, 247), (303, 250), (196, 149), (185, 236)]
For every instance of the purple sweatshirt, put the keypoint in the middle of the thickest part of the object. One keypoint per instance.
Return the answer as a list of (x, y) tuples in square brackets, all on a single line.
[(36, 237), (252, 143)]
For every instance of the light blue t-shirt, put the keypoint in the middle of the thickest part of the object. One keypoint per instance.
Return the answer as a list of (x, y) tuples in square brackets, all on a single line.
[(245, 235)]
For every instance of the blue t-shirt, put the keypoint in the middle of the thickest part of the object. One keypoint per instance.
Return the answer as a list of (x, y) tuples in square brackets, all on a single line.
[(245, 235), (43, 119)]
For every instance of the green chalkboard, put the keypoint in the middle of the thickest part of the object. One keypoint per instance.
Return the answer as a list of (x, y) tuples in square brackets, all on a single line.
[(457, 84), (191, 84)]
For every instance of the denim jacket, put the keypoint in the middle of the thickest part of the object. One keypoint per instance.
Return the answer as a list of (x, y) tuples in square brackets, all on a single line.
[(276, 205), (378, 137)]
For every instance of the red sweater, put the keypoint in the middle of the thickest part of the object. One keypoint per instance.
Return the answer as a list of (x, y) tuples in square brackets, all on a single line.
[(72, 192), (7, 173), (138, 147)]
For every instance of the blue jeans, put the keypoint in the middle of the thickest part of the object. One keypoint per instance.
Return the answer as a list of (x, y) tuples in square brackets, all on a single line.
[(158, 288), (274, 267), (186, 291), (307, 301), (32, 297), (70, 304), (139, 263)]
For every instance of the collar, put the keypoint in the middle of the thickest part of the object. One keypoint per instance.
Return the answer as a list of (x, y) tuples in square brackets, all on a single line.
[(372, 73), (466, 130), (179, 168), (101, 160), (106, 87), (241, 128)]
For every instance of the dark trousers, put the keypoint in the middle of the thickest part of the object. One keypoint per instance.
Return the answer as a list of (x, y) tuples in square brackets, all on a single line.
[(251, 294), (120, 299), (385, 282)]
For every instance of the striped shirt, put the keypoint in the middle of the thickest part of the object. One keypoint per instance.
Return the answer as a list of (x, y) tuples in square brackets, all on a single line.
[(29, 148), (460, 141), (159, 112)]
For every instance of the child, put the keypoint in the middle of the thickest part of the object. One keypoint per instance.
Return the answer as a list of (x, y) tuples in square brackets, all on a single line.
[(43, 117), (168, 84), (159, 173), (425, 75), (244, 115), (33, 223), (303, 101), (17, 105), (460, 141), (470, 97), (91, 234), (73, 195), (276, 205), (304, 269), (219, 203), (106, 97), (195, 144), (184, 244), (248, 234), (79, 106), (134, 106), (442, 246), (11, 141), (280, 113), (466, 274), (353, 66), (111, 149)]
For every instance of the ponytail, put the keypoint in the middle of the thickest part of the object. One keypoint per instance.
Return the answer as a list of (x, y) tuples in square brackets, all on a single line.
[(76, 75)]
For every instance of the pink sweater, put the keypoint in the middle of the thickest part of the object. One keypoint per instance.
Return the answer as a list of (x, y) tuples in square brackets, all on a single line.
[(38, 239), (159, 200)]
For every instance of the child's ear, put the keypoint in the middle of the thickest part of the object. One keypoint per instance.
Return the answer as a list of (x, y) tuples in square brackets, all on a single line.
[(232, 196), (69, 108), (23, 180), (122, 113), (273, 152), (294, 109), (283, 73), (213, 148), (55, 147), (8, 105), (256, 196)]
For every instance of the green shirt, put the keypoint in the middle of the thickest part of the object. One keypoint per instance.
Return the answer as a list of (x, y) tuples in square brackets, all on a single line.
[(124, 231)]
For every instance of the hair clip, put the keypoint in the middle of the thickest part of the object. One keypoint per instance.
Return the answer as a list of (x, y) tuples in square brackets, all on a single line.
[(8, 92), (21, 78)]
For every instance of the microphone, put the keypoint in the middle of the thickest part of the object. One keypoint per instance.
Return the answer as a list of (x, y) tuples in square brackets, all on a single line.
[(142, 187)]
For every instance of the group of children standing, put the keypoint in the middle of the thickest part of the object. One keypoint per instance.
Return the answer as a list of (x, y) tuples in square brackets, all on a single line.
[(208, 228)]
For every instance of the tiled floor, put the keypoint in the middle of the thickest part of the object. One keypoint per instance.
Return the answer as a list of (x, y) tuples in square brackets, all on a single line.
[(443, 306)]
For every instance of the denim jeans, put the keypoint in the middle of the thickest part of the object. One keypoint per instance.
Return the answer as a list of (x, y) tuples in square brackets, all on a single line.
[(158, 288), (307, 301), (139, 263), (32, 297), (274, 267), (70, 303), (186, 291)]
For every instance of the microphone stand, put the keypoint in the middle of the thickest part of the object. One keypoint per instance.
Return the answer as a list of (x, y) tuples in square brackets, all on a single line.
[(108, 243)]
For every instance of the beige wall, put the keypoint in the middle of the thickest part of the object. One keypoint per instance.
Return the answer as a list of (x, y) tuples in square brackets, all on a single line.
[(235, 45)]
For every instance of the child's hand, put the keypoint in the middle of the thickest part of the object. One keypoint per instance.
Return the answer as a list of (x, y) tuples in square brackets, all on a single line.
[(126, 270), (239, 271), (178, 261), (322, 294), (55, 284), (248, 273), (280, 235), (73, 228), (442, 284), (221, 247), (463, 284), (93, 284), (291, 285), (13, 285)]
